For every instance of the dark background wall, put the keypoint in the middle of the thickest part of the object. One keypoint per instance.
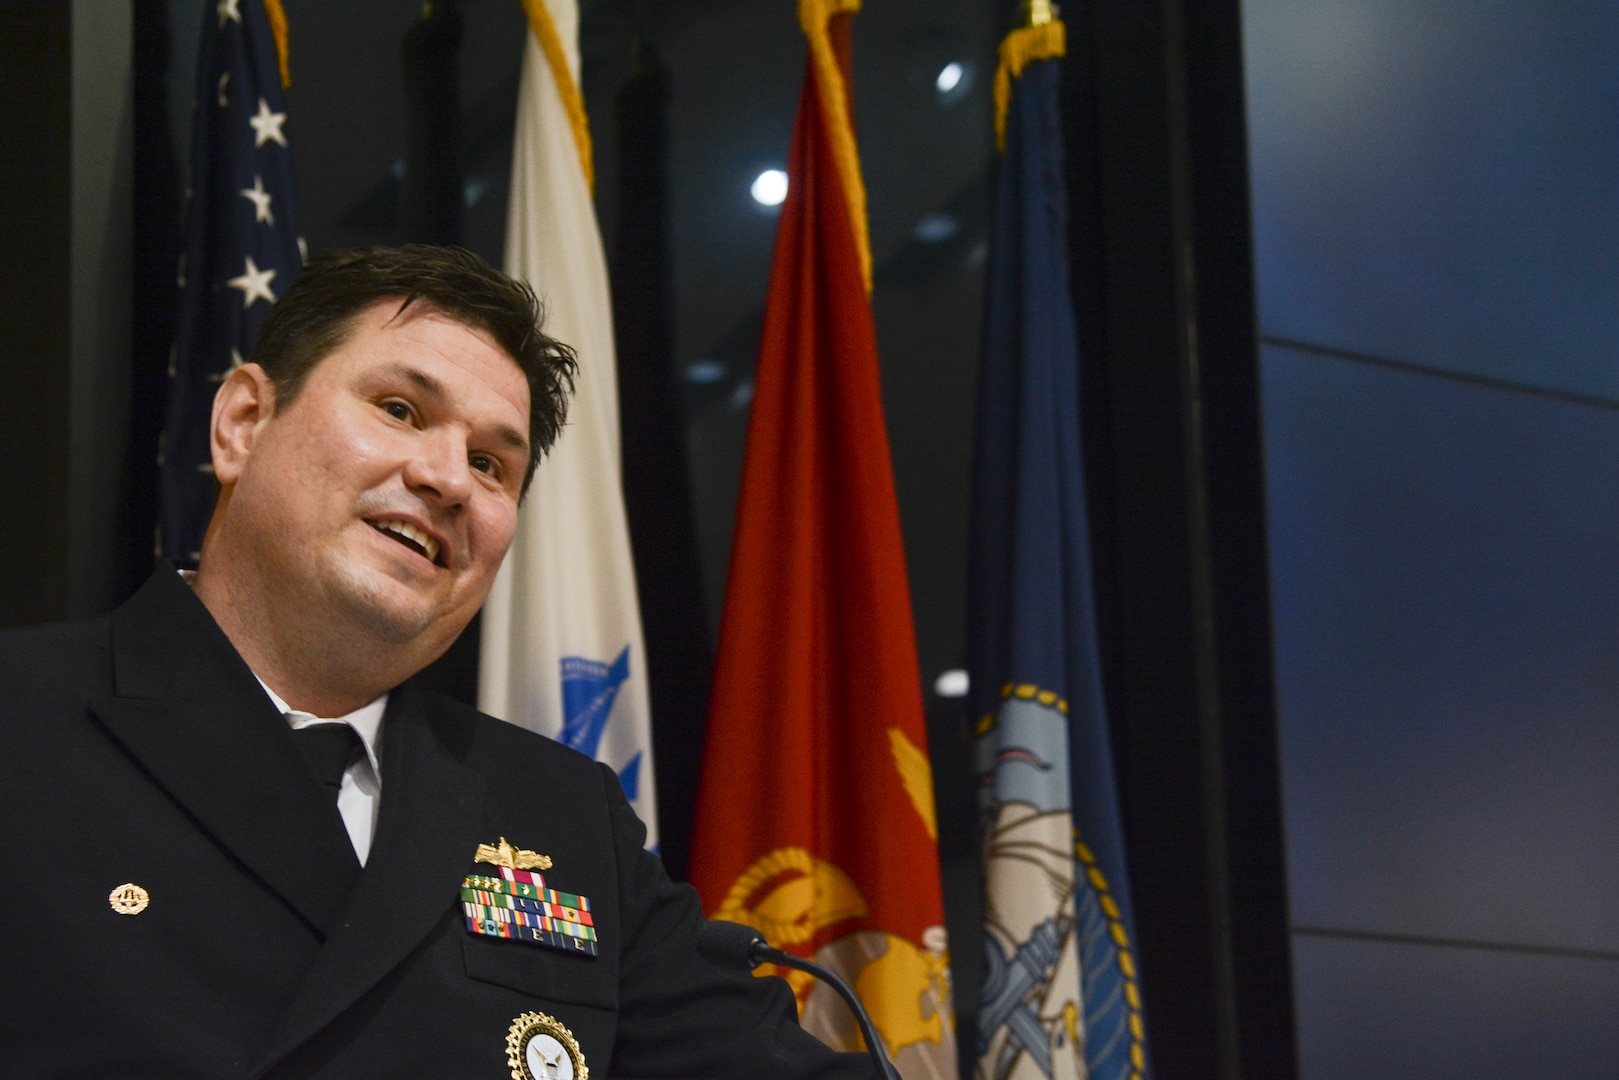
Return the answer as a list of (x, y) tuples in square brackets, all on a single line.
[(1437, 237), (67, 217), (35, 172)]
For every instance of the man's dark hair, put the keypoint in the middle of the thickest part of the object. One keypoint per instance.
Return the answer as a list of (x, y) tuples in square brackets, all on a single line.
[(321, 309)]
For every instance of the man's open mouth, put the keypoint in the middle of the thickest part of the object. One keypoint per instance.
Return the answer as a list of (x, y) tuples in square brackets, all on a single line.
[(410, 536)]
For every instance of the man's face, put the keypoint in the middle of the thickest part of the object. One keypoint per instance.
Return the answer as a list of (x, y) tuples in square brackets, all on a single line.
[(385, 495)]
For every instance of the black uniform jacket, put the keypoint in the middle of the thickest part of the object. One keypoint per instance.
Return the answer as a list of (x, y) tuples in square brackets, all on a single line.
[(139, 748)]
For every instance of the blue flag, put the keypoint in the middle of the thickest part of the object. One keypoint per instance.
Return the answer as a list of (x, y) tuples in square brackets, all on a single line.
[(242, 250), (1060, 995)]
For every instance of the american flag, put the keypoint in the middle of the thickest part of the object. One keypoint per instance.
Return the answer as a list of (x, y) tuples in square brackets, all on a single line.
[(242, 247)]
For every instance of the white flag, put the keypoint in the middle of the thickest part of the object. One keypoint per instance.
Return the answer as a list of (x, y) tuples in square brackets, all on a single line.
[(562, 652)]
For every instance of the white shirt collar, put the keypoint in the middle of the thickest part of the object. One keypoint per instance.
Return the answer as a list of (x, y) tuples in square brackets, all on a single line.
[(366, 721)]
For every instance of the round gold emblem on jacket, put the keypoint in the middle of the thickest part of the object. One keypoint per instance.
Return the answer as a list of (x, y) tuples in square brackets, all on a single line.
[(129, 899), (538, 1047)]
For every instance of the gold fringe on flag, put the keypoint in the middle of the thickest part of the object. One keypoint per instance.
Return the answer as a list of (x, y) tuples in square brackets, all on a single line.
[(813, 16), (545, 31), (1023, 46), (278, 30)]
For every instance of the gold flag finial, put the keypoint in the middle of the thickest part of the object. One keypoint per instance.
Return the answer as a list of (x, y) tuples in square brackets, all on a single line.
[(1038, 12)]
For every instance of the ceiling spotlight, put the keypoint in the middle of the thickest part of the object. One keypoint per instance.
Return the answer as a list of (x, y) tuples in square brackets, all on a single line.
[(706, 372), (936, 228), (953, 82), (770, 188), (952, 684)]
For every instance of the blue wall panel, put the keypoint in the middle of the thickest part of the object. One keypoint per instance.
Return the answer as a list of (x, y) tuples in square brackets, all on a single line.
[(1383, 1011), (1446, 598), (1436, 182)]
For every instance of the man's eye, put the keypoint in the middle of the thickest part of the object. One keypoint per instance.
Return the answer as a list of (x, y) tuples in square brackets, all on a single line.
[(397, 409), (485, 464)]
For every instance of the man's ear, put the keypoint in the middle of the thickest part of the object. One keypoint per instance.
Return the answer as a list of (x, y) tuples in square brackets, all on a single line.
[(244, 404)]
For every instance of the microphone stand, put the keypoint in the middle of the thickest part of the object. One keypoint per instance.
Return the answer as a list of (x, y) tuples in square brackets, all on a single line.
[(874, 1042), (738, 947)]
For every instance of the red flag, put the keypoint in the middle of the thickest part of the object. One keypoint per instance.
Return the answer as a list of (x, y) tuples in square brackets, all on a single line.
[(815, 820)]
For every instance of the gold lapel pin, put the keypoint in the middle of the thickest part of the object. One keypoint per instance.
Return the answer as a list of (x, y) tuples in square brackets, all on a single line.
[(129, 899), (503, 854)]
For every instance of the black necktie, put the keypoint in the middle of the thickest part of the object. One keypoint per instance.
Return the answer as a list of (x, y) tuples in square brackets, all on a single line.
[(331, 749)]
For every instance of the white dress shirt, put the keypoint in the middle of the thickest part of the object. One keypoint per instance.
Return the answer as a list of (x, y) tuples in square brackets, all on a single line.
[(361, 794)]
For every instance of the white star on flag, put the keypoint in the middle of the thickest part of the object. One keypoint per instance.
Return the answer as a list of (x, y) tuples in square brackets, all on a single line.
[(254, 283), (267, 125), (228, 12), (260, 200)]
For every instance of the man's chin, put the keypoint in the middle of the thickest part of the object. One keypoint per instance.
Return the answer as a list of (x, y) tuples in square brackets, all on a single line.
[(395, 613)]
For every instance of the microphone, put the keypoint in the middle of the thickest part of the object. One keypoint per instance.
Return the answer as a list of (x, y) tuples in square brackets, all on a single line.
[(742, 948)]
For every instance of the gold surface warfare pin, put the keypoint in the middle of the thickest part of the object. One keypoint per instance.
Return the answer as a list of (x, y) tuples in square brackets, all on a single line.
[(503, 854)]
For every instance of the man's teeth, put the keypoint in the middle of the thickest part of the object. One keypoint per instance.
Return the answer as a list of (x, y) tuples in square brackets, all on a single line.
[(410, 532)]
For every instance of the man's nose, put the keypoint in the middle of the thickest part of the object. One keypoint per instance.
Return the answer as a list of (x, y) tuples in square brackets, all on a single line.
[(439, 465)]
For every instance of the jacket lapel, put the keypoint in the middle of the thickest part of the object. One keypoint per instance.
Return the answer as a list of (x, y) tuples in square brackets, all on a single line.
[(427, 834), (189, 710)]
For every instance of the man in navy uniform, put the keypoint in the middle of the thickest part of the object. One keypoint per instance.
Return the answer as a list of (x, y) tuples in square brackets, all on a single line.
[(239, 842)]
